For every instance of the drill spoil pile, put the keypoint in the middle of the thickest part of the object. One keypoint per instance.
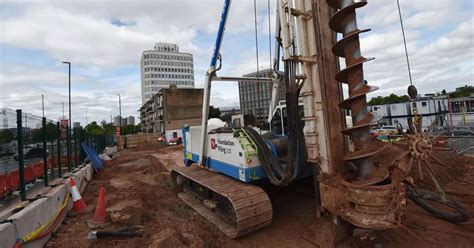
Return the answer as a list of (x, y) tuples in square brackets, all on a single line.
[(139, 198)]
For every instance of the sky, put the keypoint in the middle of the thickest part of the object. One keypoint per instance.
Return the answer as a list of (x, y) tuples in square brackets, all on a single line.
[(104, 40)]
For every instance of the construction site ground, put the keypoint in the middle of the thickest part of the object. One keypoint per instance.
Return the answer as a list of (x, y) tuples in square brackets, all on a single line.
[(139, 196)]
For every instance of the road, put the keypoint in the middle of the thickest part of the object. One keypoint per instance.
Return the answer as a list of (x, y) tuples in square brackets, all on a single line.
[(8, 164)]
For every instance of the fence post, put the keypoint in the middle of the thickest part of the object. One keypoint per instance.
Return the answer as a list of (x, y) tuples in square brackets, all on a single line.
[(21, 162), (45, 154), (75, 146), (124, 141), (81, 140), (68, 143), (53, 163), (59, 150)]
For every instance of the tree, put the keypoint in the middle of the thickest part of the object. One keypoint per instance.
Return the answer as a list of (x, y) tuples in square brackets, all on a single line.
[(391, 99), (131, 129), (109, 129), (6, 136), (379, 100), (51, 133), (94, 129), (214, 112), (463, 91)]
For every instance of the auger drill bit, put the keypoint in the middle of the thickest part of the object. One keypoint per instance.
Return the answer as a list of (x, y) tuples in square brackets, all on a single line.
[(344, 21)]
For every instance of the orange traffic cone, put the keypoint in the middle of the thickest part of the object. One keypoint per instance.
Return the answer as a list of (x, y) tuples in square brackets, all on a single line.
[(100, 216), (78, 205)]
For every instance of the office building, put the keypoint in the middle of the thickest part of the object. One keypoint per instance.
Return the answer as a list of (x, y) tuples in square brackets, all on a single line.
[(164, 66), (130, 120), (255, 97), (117, 121)]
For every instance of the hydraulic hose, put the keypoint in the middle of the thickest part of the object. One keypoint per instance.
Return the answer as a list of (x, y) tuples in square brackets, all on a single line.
[(421, 197), (283, 174)]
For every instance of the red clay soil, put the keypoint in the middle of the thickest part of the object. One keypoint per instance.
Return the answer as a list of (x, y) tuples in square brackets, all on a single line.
[(139, 197), (420, 229)]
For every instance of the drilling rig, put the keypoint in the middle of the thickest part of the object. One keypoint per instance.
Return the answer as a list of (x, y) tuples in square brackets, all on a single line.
[(224, 163)]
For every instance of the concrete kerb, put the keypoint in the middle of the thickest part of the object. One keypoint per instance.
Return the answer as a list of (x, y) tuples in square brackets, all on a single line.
[(40, 211)]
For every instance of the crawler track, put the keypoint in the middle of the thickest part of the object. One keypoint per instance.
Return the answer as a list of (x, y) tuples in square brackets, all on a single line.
[(235, 208)]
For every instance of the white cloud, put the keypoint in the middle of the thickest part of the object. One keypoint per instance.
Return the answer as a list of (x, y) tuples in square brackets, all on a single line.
[(439, 64), (439, 35), (20, 90), (82, 39)]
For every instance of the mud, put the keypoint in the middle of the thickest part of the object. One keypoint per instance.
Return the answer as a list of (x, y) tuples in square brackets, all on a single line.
[(139, 197)]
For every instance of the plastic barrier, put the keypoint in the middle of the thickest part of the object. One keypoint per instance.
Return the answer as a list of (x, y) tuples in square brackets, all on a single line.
[(38, 169), (13, 180), (29, 174), (3, 185)]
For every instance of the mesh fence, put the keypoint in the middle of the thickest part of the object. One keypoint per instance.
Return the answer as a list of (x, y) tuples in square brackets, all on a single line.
[(50, 150)]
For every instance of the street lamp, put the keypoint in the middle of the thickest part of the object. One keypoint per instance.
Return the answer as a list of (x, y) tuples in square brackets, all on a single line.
[(69, 165), (86, 117), (120, 111), (120, 119)]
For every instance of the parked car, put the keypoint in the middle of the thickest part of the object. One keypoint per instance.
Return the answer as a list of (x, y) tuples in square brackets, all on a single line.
[(30, 153), (174, 141)]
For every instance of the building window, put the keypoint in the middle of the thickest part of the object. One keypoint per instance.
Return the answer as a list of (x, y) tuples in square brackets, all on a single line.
[(423, 104)]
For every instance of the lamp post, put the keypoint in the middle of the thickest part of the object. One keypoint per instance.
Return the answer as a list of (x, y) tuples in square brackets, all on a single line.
[(69, 163), (120, 116), (86, 118), (120, 112)]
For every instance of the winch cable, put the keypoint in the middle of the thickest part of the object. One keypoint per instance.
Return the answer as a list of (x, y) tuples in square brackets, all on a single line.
[(279, 174)]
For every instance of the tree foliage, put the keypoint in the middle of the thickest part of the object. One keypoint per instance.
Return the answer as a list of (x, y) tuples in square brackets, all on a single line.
[(131, 129), (6, 136), (94, 129), (214, 112), (51, 133), (109, 129), (463, 91), (392, 98)]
